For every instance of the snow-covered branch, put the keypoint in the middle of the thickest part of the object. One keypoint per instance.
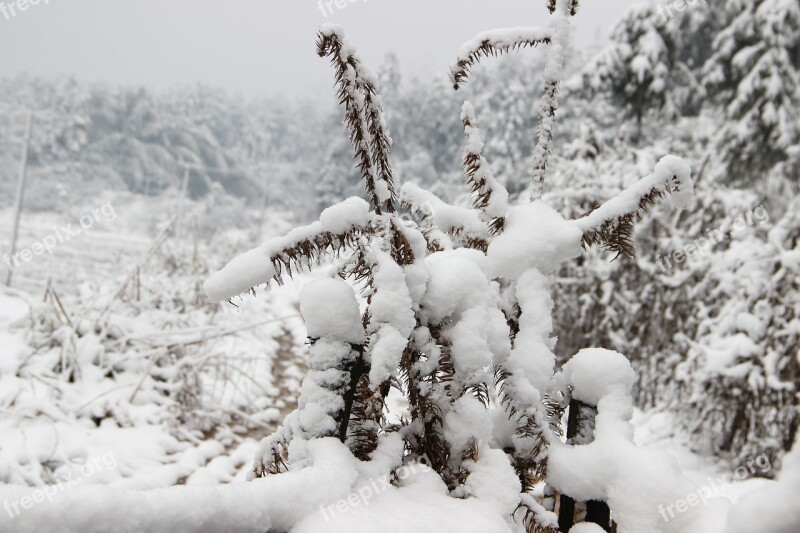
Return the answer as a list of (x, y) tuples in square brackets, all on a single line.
[(358, 92), (488, 195), (611, 224), (553, 71), (491, 43), (463, 224), (339, 226)]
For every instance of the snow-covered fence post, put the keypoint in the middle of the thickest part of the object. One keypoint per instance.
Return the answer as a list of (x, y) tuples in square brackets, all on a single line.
[(20, 196), (580, 429)]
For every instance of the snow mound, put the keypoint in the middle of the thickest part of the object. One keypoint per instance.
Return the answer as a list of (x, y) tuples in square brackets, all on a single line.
[(343, 216), (330, 309), (586, 527), (773, 508), (535, 236), (596, 373), (276, 503)]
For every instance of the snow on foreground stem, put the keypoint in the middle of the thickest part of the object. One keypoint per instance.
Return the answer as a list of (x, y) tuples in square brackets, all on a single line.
[(504, 38), (534, 236)]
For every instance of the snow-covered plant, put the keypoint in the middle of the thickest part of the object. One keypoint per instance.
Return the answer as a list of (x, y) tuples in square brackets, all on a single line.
[(457, 318), (741, 375)]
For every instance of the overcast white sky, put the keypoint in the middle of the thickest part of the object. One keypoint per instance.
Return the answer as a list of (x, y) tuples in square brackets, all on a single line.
[(257, 46)]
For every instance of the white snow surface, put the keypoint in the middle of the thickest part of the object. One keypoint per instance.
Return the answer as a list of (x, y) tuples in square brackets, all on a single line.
[(343, 216), (532, 361), (586, 527), (535, 236), (773, 508), (444, 216), (330, 309), (455, 284), (243, 272), (596, 373), (276, 503)]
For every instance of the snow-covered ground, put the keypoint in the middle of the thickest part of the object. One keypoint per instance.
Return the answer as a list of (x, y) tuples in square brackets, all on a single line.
[(657, 430), (154, 388)]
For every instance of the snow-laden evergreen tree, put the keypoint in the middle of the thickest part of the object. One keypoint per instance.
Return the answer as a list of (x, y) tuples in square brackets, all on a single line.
[(635, 70), (390, 77), (740, 56), (754, 74), (741, 376), (727, 415)]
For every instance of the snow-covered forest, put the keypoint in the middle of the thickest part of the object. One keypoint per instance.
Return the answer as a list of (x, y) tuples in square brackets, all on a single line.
[(552, 289)]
